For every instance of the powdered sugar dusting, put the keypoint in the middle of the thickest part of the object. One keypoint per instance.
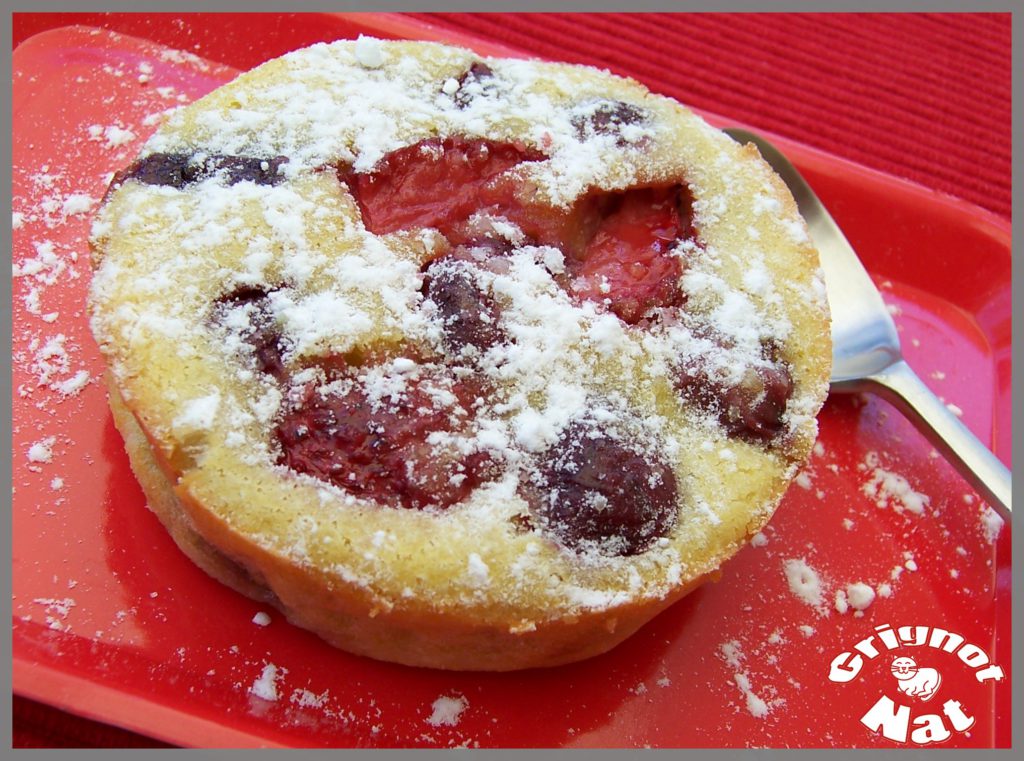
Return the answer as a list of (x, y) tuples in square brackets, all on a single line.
[(358, 710), (805, 584), (889, 489)]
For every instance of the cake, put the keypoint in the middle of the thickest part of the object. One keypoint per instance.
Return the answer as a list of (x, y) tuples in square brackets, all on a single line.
[(460, 362)]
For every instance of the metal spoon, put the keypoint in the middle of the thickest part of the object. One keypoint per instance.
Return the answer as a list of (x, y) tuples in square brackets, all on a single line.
[(866, 353)]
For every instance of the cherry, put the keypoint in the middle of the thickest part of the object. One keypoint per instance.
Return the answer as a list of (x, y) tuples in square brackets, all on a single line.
[(262, 333), (752, 409), (478, 78), (607, 118), (595, 492), (470, 316), (179, 170)]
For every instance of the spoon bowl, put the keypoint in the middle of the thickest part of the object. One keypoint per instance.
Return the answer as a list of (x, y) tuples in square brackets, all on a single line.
[(866, 354)]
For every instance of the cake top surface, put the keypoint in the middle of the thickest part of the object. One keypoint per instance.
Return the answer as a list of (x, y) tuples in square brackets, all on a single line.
[(384, 236)]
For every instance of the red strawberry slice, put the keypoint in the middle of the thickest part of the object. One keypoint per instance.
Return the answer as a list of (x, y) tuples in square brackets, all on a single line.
[(618, 245), (381, 451), (434, 183), (629, 263)]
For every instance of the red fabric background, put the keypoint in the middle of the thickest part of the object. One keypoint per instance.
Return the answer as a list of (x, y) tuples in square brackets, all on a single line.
[(925, 97), (920, 96)]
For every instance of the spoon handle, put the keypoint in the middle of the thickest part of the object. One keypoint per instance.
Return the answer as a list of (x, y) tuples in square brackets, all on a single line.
[(901, 386)]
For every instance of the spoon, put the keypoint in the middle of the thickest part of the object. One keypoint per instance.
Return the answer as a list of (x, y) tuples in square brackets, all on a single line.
[(866, 355)]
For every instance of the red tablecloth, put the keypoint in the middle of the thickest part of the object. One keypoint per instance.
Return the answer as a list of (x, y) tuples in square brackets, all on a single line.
[(921, 96)]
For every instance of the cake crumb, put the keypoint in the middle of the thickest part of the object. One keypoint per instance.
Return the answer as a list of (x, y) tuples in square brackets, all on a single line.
[(859, 595), (991, 523), (889, 489), (732, 653), (261, 619)]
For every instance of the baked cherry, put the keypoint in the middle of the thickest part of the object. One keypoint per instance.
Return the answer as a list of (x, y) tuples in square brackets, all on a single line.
[(594, 491), (607, 118), (260, 331), (469, 315), (179, 170), (476, 80), (753, 409), (380, 449)]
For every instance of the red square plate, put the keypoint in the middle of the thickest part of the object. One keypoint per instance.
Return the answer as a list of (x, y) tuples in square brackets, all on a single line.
[(112, 622)]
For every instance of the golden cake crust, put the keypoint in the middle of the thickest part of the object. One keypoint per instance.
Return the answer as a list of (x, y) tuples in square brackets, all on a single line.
[(481, 583)]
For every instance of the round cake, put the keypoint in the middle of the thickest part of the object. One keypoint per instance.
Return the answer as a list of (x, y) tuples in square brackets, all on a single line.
[(460, 362)]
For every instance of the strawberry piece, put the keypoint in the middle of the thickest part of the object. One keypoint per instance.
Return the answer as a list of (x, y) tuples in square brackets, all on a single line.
[(629, 263), (618, 245), (380, 451), (434, 183)]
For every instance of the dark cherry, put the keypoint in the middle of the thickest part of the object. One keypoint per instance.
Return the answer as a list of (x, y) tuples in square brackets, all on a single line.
[(479, 73), (608, 118), (753, 409), (262, 334), (471, 317), (179, 170), (595, 492), (380, 453)]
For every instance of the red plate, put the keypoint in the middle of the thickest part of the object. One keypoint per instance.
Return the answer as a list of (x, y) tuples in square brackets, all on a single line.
[(112, 622)]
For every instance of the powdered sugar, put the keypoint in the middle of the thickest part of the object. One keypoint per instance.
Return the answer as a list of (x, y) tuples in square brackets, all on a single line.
[(42, 451), (889, 489), (805, 584), (447, 710), (265, 685), (734, 657)]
